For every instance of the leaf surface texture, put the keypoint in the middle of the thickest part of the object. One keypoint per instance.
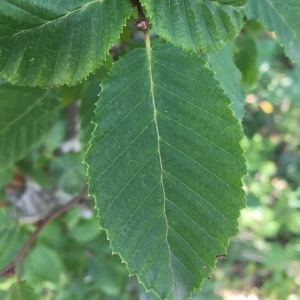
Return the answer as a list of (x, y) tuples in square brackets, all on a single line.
[(197, 24), (165, 168), (48, 43)]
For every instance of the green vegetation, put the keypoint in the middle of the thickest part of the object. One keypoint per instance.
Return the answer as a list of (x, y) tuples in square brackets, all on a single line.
[(171, 134)]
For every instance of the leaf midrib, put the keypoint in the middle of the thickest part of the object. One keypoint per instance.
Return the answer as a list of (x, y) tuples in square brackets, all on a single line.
[(149, 58), (54, 20)]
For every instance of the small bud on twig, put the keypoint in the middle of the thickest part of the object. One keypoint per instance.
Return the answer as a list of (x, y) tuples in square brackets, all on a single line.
[(141, 24)]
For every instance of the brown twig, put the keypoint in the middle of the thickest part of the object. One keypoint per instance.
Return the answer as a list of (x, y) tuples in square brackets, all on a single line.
[(141, 14), (141, 23), (9, 269)]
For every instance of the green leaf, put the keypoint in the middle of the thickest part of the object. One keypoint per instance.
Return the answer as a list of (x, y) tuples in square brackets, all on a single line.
[(5, 177), (227, 73), (43, 264), (21, 291), (165, 168), (246, 53), (69, 171), (55, 137), (11, 238), (197, 25), (108, 275), (71, 94), (245, 58), (48, 43), (3, 294), (283, 17), (89, 98), (85, 231), (25, 116)]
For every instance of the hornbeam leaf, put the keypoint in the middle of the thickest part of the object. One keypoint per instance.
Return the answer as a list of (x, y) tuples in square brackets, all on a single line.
[(229, 75), (206, 25), (25, 116), (283, 17), (47, 43), (165, 168)]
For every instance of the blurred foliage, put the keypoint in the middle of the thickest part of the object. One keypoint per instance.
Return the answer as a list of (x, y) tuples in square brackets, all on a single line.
[(71, 258), (245, 55), (264, 261)]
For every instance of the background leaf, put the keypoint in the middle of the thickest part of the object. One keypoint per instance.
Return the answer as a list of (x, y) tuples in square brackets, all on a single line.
[(197, 25), (246, 53), (5, 177), (227, 73), (89, 98), (85, 231), (69, 172), (283, 17), (25, 116), (109, 275), (43, 264), (45, 43), (3, 294), (21, 291), (165, 168), (11, 237)]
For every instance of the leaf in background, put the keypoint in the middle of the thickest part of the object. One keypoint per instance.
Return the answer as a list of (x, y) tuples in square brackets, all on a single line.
[(35, 163), (197, 25), (71, 94), (11, 237), (85, 231), (69, 172), (89, 98), (43, 263), (110, 276), (25, 116), (283, 17), (5, 177), (3, 294), (207, 292), (55, 137), (245, 58), (165, 168), (46, 43), (227, 73), (21, 291)]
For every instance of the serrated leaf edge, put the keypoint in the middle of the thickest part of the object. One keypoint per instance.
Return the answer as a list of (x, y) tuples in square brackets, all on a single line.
[(242, 157)]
